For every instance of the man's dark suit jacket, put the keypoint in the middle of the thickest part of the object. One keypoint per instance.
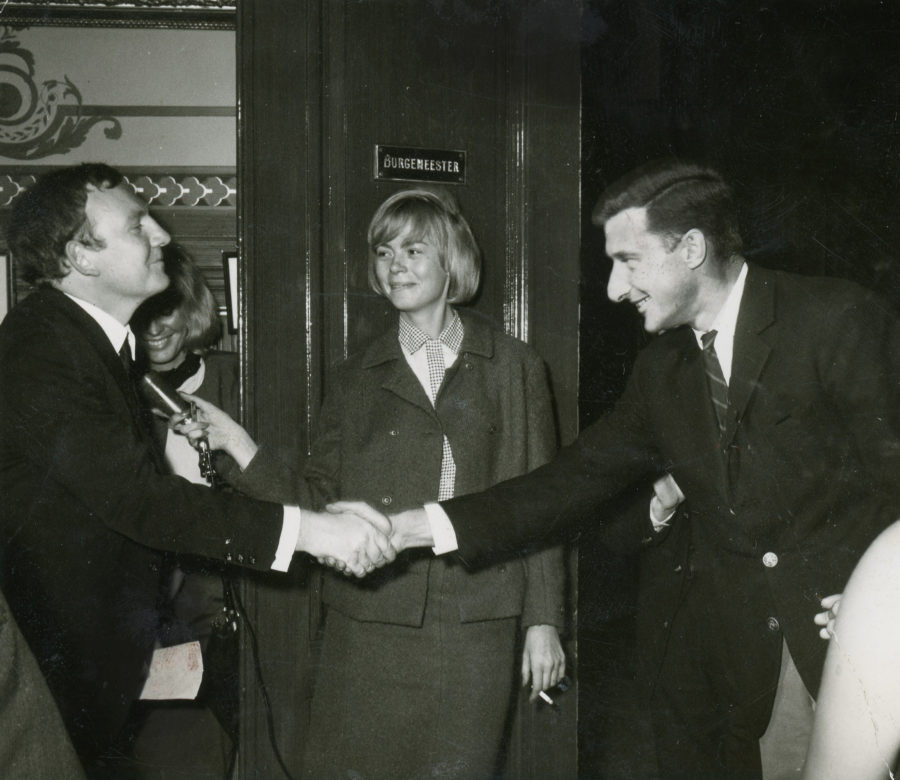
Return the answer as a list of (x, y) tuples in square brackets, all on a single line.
[(85, 512), (33, 740), (810, 474)]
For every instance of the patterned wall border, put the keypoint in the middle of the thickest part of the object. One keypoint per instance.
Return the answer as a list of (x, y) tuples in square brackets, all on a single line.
[(176, 14), (187, 190)]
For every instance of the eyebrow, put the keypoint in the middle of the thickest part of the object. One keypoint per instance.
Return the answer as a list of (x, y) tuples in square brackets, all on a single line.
[(407, 242)]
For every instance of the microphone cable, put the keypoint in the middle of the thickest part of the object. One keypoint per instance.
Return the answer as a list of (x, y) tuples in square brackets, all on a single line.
[(257, 666)]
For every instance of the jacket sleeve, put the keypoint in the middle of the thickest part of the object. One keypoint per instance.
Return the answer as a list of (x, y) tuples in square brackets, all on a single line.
[(311, 484), (529, 510), (545, 569), (67, 419)]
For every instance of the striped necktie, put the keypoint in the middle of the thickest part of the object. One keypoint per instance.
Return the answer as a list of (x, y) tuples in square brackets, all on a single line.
[(715, 379)]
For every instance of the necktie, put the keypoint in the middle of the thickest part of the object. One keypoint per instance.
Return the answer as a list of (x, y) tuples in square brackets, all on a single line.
[(715, 379), (125, 357), (436, 369)]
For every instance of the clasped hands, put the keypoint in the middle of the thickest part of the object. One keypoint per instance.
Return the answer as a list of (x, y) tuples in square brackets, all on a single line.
[(350, 537)]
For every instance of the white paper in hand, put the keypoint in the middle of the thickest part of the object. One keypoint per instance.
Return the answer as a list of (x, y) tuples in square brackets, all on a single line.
[(175, 673)]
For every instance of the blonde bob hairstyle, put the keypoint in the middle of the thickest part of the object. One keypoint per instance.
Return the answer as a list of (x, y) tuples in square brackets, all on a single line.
[(432, 216), (188, 292)]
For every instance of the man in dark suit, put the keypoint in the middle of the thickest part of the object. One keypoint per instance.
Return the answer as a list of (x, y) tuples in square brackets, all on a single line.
[(33, 740), (86, 508), (774, 401)]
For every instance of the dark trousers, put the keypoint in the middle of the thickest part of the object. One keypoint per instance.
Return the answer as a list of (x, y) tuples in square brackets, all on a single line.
[(711, 694)]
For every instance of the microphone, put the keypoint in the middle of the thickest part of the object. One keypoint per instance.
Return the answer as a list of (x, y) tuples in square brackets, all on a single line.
[(162, 397)]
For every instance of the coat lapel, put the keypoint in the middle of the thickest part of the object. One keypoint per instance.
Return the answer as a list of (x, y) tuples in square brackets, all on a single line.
[(95, 336), (751, 350), (386, 356), (98, 341)]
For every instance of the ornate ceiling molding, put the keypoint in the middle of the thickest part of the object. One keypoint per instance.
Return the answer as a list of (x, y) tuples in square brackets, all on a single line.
[(179, 14)]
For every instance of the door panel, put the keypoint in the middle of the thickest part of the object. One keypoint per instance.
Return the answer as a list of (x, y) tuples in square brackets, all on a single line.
[(321, 84)]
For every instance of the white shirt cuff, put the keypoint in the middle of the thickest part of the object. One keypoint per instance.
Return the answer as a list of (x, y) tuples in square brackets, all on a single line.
[(441, 530), (287, 544), (658, 525)]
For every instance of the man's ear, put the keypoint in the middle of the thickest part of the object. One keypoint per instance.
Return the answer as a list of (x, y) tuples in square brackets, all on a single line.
[(694, 248), (79, 259)]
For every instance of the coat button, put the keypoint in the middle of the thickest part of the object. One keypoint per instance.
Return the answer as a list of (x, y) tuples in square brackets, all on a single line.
[(678, 569), (772, 624), (386, 500), (395, 432), (770, 560)]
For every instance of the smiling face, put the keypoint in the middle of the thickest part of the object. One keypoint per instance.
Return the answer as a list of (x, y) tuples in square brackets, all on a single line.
[(125, 257), (409, 273), (164, 340), (658, 281)]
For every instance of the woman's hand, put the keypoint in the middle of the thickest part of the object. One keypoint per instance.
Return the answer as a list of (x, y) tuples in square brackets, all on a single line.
[(543, 659), (830, 605), (219, 430)]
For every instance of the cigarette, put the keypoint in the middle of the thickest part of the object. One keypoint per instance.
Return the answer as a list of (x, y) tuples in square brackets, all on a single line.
[(545, 697)]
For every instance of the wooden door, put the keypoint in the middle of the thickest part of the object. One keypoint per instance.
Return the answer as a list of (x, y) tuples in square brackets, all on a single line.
[(321, 83)]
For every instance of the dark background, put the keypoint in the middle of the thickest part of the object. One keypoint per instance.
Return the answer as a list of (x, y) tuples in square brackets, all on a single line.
[(797, 104)]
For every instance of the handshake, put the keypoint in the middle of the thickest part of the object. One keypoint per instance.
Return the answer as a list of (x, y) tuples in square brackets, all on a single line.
[(355, 539), (349, 536)]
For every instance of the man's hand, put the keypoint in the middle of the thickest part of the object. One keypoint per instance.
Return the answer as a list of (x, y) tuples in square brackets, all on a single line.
[(830, 606), (346, 541), (666, 498), (409, 529), (543, 659)]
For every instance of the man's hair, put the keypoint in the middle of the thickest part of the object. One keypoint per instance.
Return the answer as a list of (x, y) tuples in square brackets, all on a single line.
[(50, 214), (188, 292), (678, 197), (434, 216)]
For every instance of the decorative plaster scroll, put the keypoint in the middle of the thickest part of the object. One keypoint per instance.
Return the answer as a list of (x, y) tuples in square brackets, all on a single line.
[(37, 121)]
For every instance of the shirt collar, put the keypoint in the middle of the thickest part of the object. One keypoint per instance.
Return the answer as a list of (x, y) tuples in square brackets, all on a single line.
[(115, 331), (412, 339), (725, 322)]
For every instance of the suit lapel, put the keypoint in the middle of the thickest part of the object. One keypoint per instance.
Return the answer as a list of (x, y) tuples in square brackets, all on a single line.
[(751, 350), (98, 341)]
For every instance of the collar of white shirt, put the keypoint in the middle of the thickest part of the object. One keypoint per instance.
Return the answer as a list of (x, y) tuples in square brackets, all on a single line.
[(725, 324), (115, 331)]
